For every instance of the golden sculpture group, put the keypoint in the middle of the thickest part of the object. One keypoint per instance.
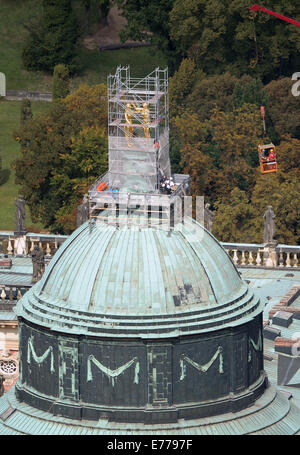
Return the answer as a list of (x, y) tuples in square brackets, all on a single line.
[(129, 112)]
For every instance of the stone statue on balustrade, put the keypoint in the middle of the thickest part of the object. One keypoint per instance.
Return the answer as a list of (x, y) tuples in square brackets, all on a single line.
[(2, 379), (83, 211), (38, 263), (269, 226), (208, 217), (20, 216)]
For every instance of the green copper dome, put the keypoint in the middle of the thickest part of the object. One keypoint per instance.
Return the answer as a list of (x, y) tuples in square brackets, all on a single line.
[(111, 277)]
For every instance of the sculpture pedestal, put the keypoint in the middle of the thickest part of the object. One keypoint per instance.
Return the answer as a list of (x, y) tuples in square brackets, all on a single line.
[(20, 245), (270, 255), (20, 233)]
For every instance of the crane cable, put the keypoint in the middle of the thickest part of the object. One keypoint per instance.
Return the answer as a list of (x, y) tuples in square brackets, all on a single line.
[(254, 61)]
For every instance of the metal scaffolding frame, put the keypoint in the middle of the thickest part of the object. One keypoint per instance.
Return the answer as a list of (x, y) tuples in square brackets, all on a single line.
[(138, 130), (138, 144)]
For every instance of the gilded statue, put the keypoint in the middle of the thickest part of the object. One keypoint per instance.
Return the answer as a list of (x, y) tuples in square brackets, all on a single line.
[(146, 117)]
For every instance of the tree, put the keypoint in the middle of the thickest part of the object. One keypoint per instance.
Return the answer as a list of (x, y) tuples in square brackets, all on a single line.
[(192, 135), (181, 85), (80, 166), (148, 20), (61, 153), (220, 153), (104, 7), (252, 92), (54, 40), (220, 35), (4, 173), (95, 11), (26, 111), (239, 217), (211, 92), (283, 107), (61, 82), (237, 134), (288, 157), (232, 222), (284, 196)]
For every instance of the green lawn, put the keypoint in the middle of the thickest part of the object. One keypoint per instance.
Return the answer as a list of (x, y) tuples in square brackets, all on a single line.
[(9, 150), (96, 65)]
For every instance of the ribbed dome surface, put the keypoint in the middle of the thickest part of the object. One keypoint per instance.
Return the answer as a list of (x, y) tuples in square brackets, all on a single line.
[(126, 270), (138, 282)]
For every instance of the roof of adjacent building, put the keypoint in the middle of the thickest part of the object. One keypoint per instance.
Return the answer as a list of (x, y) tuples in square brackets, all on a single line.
[(19, 274)]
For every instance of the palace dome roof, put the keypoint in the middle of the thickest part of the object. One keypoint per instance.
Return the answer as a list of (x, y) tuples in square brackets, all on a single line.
[(127, 277)]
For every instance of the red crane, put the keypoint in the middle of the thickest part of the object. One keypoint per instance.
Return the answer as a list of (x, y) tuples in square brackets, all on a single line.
[(267, 153), (279, 16)]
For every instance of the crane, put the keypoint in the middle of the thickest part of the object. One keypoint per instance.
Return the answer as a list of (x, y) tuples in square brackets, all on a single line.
[(267, 153), (272, 13)]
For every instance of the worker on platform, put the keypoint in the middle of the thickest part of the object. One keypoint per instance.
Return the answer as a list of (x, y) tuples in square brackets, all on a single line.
[(167, 184)]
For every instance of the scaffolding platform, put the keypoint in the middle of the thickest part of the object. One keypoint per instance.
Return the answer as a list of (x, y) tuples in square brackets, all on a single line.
[(137, 208)]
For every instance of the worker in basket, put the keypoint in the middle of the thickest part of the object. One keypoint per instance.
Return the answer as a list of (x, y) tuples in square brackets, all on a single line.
[(271, 155)]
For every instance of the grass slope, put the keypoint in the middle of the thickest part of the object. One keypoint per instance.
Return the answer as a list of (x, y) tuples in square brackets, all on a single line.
[(14, 14), (9, 150)]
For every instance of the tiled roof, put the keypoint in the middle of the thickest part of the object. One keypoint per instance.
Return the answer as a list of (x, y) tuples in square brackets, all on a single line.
[(20, 273)]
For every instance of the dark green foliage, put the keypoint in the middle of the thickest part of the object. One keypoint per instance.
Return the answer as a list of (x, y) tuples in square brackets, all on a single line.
[(283, 107), (93, 12), (4, 175), (54, 39), (148, 20), (26, 111), (104, 7), (62, 153), (175, 156), (220, 36), (61, 82), (216, 131), (210, 92), (252, 92)]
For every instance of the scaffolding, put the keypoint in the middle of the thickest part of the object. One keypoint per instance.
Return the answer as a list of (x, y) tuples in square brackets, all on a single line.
[(138, 144), (138, 130)]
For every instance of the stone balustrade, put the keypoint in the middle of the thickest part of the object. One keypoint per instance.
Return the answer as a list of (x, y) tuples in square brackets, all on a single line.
[(242, 254), (12, 293), (260, 255), (12, 245)]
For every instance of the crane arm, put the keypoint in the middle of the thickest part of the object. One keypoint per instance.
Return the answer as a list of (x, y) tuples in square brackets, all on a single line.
[(279, 16)]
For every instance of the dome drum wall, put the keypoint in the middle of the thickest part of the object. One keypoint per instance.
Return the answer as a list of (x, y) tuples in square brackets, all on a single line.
[(141, 380)]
